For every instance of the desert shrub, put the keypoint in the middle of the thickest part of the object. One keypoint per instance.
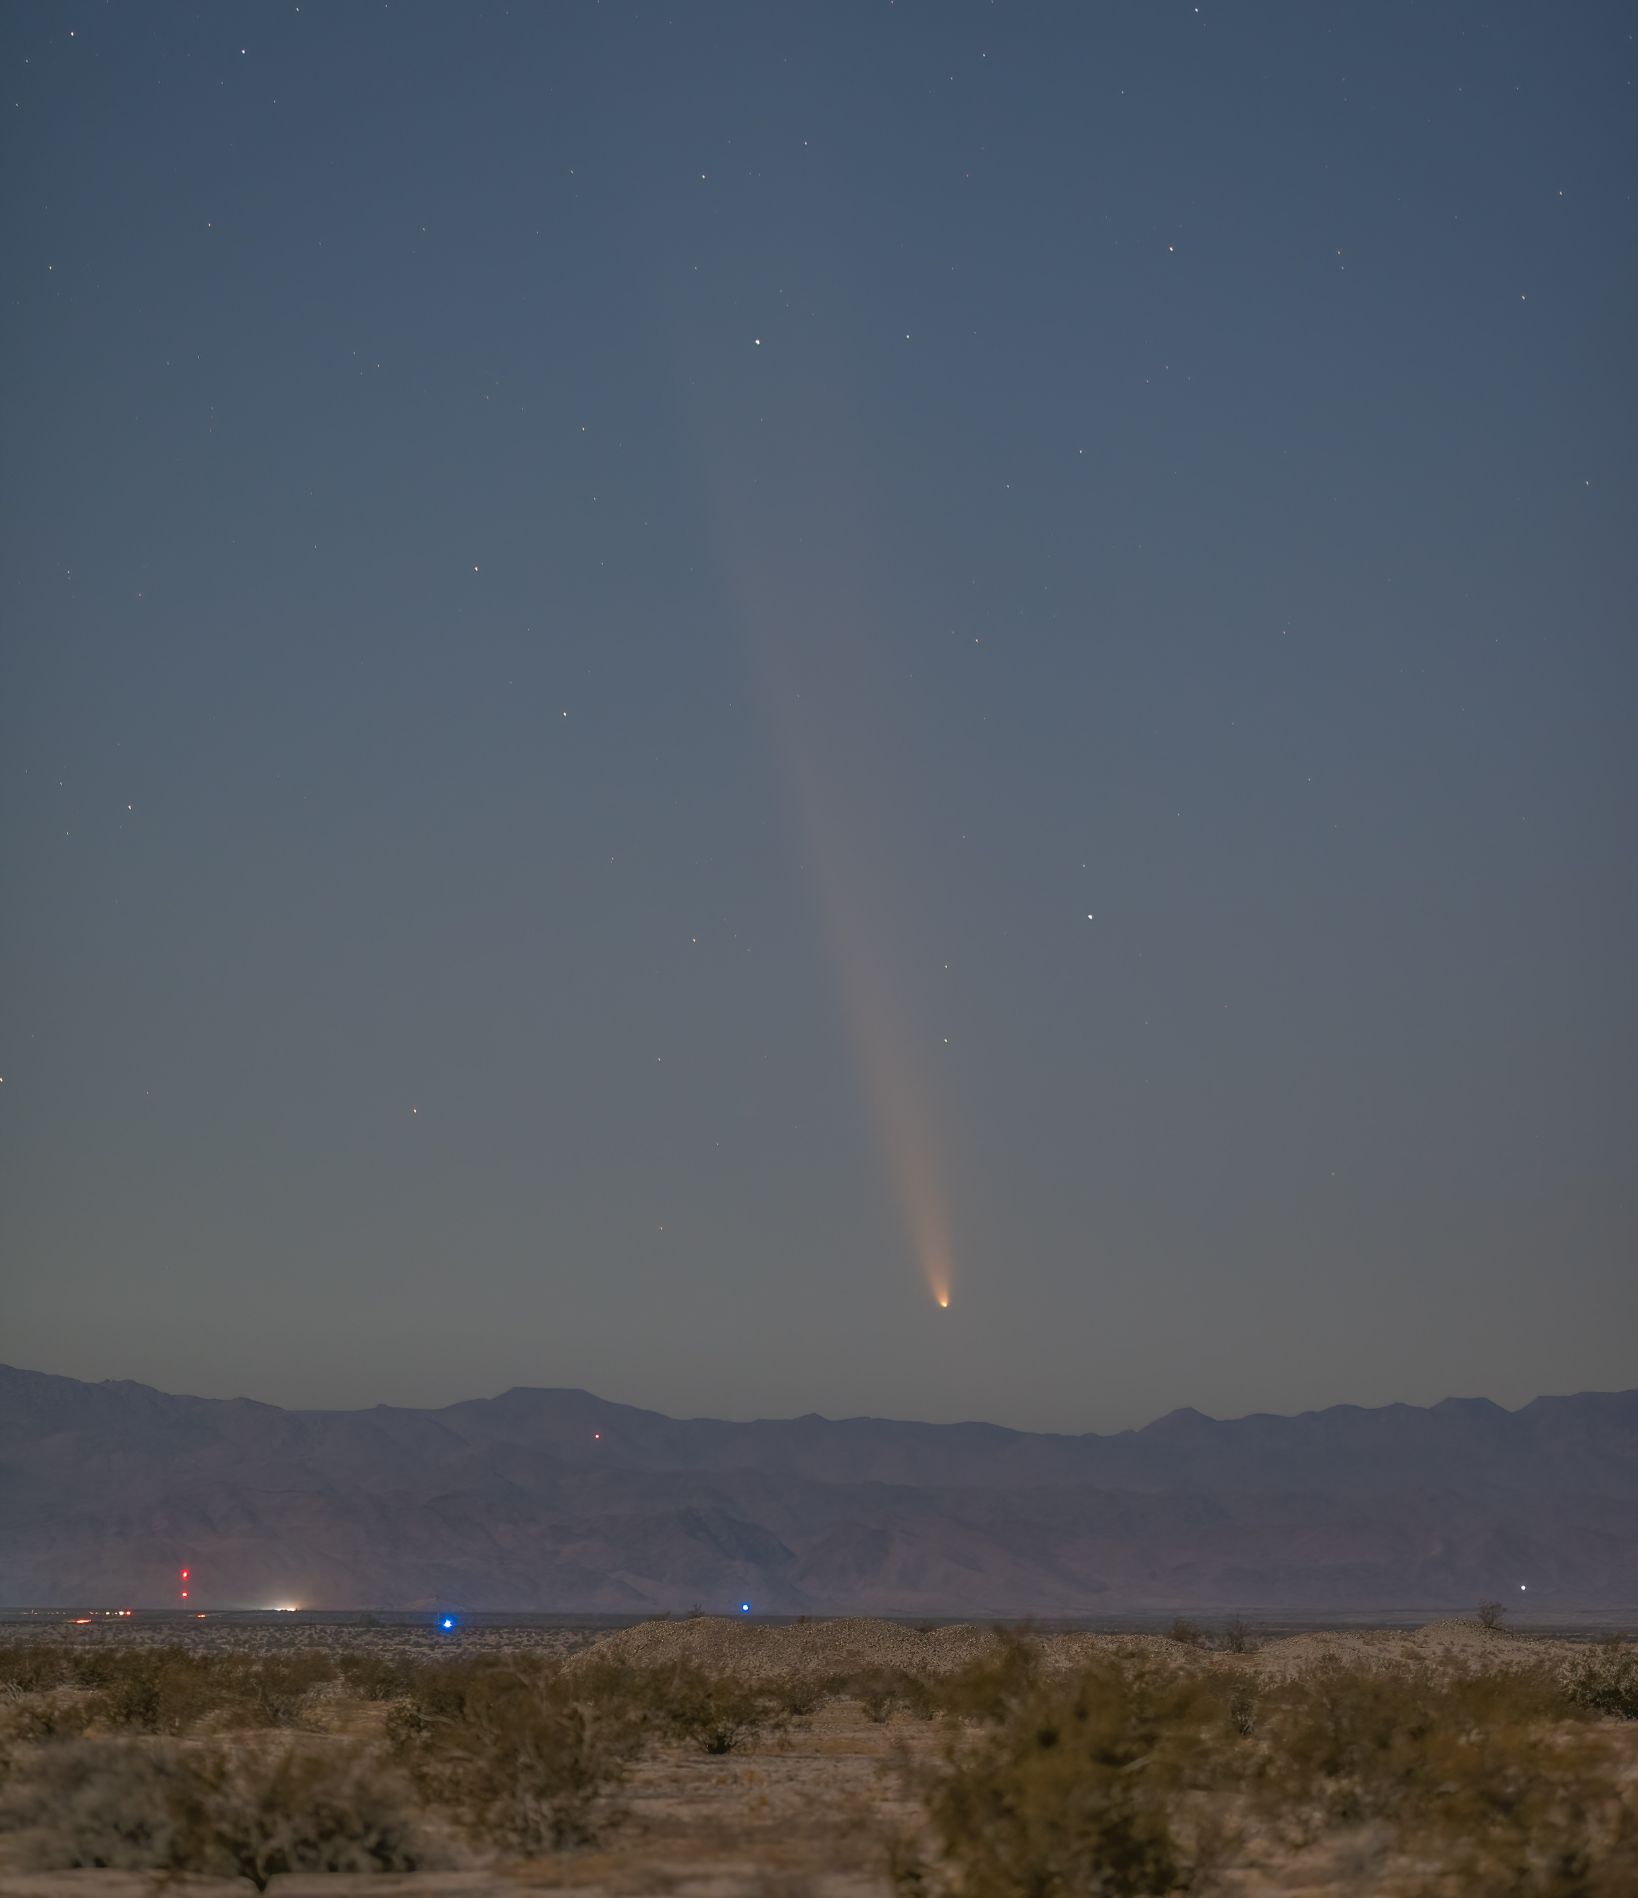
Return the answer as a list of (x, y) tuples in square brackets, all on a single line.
[(37, 1719), (1515, 1811), (306, 1810), (28, 1667), (275, 1692), (156, 1690), (884, 1691), (1489, 1615), (374, 1676), (1604, 1680), (126, 1804), (92, 1803), (799, 1695), (1079, 1787), (526, 1759), (989, 1688), (1239, 1637), (1359, 1743), (1186, 1633), (171, 1691), (715, 1712)]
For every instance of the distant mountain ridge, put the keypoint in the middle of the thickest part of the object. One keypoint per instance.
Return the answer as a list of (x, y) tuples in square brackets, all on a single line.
[(558, 1500)]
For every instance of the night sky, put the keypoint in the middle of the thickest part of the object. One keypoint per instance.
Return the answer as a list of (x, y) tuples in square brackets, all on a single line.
[(679, 677)]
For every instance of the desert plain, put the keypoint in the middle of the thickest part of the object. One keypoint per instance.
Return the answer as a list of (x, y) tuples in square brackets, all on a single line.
[(853, 1758)]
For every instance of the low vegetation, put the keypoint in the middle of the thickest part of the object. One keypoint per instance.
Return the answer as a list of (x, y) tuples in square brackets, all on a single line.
[(1135, 1777), (209, 1809), (1152, 1767)]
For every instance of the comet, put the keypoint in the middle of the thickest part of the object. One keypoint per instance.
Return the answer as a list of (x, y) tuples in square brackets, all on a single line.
[(816, 675)]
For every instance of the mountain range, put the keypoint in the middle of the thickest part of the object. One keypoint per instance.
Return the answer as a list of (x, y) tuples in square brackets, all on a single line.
[(555, 1500)]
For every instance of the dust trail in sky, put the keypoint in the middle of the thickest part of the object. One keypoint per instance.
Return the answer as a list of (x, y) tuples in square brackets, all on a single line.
[(877, 1024), (817, 680)]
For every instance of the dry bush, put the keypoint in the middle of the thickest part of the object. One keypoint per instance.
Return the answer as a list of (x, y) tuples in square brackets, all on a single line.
[(1489, 1615), (1488, 1780), (30, 1667), (884, 1691), (35, 1719), (715, 1712), (276, 1690), (1352, 1743), (169, 1690), (156, 1690), (1186, 1633), (1516, 1812), (1604, 1680), (1080, 1786), (92, 1802), (374, 1676), (988, 1689), (526, 1757), (205, 1809), (798, 1695), (1239, 1637), (1134, 1777)]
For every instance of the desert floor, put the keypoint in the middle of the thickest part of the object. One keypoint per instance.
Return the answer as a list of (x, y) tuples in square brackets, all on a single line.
[(808, 1809)]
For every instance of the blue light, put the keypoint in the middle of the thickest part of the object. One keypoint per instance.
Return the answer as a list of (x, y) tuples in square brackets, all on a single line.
[(744, 1607), (447, 1624)]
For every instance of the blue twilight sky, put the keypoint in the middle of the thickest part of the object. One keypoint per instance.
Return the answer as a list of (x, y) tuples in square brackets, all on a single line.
[(680, 676)]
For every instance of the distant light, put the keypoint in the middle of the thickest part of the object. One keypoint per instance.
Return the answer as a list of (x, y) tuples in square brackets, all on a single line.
[(744, 1607), (597, 1436), (944, 1302), (82, 1621), (1521, 1588), (184, 1594), (185, 1574), (447, 1624)]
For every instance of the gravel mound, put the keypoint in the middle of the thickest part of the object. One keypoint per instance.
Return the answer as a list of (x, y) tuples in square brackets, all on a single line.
[(848, 1645), (853, 1645)]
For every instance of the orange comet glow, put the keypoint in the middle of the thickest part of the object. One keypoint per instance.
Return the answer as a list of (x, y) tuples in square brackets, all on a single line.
[(857, 911), (801, 566)]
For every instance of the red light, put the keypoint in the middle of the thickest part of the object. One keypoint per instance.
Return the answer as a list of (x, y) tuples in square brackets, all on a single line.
[(185, 1574), (184, 1594), (82, 1621), (597, 1436)]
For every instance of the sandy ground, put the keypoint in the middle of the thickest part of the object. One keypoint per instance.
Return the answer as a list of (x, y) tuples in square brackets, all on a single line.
[(807, 1812)]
